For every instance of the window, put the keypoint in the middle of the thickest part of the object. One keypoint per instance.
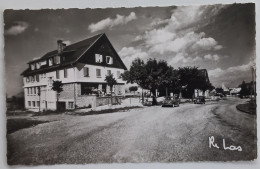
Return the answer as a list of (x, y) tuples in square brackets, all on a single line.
[(57, 59), (118, 74), (27, 79), (29, 103), (33, 66), (28, 91), (38, 103), (33, 103), (65, 73), (36, 90), (86, 71), (33, 90), (38, 65), (57, 74), (43, 63), (50, 61), (32, 78), (108, 72), (71, 105), (37, 78), (98, 72), (109, 60), (99, 58)]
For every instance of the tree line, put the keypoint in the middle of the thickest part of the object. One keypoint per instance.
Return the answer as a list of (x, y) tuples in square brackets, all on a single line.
[(158, 75)]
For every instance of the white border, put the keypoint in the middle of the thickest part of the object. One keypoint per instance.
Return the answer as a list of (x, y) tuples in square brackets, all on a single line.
[(54, 4)]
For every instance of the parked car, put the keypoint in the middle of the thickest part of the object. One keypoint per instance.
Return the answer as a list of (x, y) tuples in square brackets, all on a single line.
[(171, 101), (199, 100)]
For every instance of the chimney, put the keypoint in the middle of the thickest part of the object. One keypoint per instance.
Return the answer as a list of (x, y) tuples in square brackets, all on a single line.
[(61, 46)]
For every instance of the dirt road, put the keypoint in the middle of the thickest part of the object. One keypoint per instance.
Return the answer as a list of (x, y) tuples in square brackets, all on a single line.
[(151, 134)]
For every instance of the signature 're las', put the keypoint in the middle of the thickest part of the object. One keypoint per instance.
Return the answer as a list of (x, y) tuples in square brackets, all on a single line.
[(213, 144)]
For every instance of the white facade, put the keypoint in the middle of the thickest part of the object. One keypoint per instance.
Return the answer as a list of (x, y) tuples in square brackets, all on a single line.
[(47, 98)]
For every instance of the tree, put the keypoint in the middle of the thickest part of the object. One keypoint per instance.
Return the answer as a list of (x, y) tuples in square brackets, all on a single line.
[(136, 74), (133, 89), (151, 75), (111, 81), (219, 90), (57, 86), (193, 78), (245, 90)]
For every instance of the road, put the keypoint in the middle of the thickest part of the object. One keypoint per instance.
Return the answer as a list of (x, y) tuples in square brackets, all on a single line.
[(150, 134)]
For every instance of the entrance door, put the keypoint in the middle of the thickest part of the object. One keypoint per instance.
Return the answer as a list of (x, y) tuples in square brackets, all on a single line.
[(61, 106)]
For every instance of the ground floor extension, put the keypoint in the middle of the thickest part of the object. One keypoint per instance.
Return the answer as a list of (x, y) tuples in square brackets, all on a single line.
[(74, 95)]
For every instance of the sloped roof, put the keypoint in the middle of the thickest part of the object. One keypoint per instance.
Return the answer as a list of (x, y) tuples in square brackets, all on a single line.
[(73, 51)]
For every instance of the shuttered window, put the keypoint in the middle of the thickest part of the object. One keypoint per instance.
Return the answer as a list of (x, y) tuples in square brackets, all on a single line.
[(86, 71), (108, 72), (99, 58), (98, 72), (37, 78), (109, 60), (118, 74)]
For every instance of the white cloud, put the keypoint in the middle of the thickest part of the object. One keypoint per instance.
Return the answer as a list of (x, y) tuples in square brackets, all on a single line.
[(129, 54), (231, 76), (172, 44), (205, 44), (218, 47), (18, 28), (212, 57), (184, 59), (235, 70), (138, 38), (109, 23)]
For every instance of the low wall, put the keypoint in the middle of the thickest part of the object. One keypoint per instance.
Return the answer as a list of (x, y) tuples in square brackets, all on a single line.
[(85, 101), (94, 101), (101, 101)]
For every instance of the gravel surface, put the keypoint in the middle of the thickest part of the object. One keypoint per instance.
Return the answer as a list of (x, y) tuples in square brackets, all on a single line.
[(150, 134)]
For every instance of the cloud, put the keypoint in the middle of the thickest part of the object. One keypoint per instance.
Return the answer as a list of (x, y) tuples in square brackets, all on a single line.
[(183, 59), (171, 42), (204, 44), (212, 57), (18, 28), (129, 54), (109, 23), (231, 76)]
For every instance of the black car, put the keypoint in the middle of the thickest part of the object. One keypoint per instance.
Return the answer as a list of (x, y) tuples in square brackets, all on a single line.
[(199, 100), (171, 102)]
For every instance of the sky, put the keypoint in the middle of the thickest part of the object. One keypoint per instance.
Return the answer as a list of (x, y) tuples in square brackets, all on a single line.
[(219, 38)]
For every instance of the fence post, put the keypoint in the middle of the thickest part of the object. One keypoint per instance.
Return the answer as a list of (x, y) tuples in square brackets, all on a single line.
[(94, 102)]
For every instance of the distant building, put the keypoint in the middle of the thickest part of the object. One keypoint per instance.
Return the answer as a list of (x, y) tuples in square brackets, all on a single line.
[(81, 67), (234, 91)]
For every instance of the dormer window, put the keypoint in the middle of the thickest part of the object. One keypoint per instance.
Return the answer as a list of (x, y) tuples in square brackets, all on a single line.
[(44, 62), (99, 58), (32, 66), (109, 60), (38, 65), (57, 59), (50, 61), (32, 78), (27, 79)]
